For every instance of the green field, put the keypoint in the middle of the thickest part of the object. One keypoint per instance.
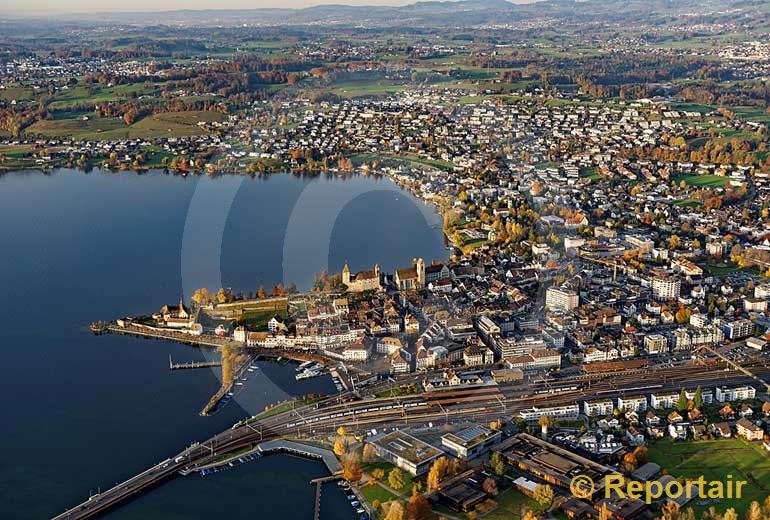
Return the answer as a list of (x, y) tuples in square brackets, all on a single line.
[(17, 93), (704, 181), (715, 460), (366, 88), (169, 124)]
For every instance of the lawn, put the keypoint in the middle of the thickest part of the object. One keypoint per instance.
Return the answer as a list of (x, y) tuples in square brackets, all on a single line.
[(257, 320), (704, 181), (715, 460), (721, 270), (591, 173), (387, 467), (512, 503), (376, 492)]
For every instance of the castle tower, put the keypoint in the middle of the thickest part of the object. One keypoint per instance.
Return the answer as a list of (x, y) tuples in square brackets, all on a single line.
[(377, 269), (346, 274)]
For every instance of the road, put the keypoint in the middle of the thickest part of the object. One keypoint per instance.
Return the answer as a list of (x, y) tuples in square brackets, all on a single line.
[(475, 404)]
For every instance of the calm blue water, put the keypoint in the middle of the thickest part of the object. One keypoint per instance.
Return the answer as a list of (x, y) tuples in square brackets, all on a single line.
[(82, 412)]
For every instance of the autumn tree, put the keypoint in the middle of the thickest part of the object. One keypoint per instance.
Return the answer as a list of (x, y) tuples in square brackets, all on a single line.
[(437, 473), (490, 486), (755, 512), (396, 479), (641, 455), (340, 446), (351, 467), (201, 296), (418, 508), (629, 462), (543, 494), (395, 510)]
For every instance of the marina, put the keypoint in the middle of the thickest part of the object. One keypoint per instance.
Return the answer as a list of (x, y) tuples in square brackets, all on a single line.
[(77, 361)]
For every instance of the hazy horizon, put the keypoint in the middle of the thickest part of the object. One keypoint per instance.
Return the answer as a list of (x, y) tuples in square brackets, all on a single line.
[(58, 7)]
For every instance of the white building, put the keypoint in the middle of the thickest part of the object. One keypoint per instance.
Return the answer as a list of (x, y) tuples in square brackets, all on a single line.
[(726, 394), (568, 411), (739, 329), (356, 352), (666, 288), (557, 298), (636, 403), (661, 401), (706, 394), (655, 343), (598, 408)]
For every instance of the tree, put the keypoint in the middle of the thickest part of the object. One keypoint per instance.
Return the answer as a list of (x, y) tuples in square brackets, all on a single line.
[(378, 473), (370, 454), (681, 403), (529, 515), (730, 514), (453, 468), (437, 473), (396, 479), (698, 398), (754, 512), (490, 486), (496, 461), (604, 513), (543, 494), (340, 446), (641, 455), (224, 295), (201, 296), (673, 242), (351, 467), (629, 462), (395, 511), (418, 508)]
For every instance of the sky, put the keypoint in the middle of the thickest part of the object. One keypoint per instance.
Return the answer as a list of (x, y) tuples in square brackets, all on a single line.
[(22, 7)]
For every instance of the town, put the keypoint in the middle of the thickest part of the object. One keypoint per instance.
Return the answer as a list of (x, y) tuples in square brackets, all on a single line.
[(604, 191)]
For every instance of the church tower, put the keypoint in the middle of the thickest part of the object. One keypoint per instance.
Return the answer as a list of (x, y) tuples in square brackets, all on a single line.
[(419, 266), (346, 274)]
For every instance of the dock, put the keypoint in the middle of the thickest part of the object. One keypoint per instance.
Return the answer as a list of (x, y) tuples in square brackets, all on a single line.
[(192, 364), (303, 450), (317, 507)]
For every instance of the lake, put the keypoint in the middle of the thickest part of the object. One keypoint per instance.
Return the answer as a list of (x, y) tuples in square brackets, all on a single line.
[(81, 412)]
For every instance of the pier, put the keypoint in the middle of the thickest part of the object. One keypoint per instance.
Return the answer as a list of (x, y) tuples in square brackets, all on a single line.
[(303, 450), (192, 364), (317, 508)]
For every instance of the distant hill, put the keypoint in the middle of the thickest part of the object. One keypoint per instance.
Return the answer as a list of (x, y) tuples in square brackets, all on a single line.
[(430, 13)]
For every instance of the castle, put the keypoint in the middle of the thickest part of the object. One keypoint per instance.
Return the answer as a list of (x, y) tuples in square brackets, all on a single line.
[(362, 281), (408, 279)]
